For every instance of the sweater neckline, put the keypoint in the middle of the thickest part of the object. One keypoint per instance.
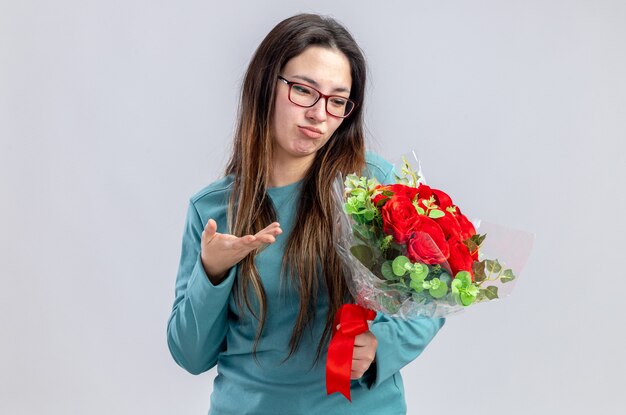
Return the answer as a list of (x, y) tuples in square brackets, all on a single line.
[(285, 190)]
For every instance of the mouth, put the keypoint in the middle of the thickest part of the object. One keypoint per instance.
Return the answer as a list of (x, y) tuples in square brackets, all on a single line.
[(311, 132)]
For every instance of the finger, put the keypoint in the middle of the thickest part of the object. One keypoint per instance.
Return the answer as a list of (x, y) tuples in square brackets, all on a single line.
[(211, 224), (271, 226), (273, 230), (209, 232), (248, 243), (363, 354), (362, 339)]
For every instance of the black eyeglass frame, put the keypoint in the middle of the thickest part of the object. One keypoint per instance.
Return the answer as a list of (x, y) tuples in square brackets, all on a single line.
[(321, 95)]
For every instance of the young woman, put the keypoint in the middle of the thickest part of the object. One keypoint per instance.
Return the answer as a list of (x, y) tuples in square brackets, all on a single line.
[(259, 280)]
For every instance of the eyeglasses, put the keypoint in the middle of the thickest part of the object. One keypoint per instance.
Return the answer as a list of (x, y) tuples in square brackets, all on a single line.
[(306, 96)]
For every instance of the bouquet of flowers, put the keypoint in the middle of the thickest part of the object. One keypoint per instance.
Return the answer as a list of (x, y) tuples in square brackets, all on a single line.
[(410, 251)]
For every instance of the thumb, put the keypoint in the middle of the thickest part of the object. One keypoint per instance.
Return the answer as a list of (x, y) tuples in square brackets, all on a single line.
[(209, 231)]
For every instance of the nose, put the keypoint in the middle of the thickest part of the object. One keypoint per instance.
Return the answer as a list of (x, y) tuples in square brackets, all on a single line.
[(318, 111)]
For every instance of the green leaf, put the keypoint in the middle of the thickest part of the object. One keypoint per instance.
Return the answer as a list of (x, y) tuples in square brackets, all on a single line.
[(467, 299), (399, 265), (463, 278), (417, 276), (478, 239), (493, 266), (387, 271), (364, 254), (471, 245), (445, 278), (479, 271), (419, 271), (491, 292), (417, 285), (463, 290), (507, 275), (438, 289), (385, 243), (436, 213)]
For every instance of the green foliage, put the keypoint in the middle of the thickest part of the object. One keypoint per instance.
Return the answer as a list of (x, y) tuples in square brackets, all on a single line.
[(419, 209), (359, 205), (471, 245), (436, 213), (492, 266), (437, 289), (490, 292), (478, 239), (463, 290), (479, 271), (417, 279), (408, 175), (507, 275), (419, 271), (401, 265), (385, 243), (387, 271)]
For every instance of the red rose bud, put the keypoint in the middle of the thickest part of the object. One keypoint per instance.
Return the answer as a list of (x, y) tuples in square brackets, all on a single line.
[(399, 218), (424, 191), (428, 244)]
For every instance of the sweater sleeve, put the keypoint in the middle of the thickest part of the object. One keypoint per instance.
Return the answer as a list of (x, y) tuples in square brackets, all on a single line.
[(197, 327), (399, 341)]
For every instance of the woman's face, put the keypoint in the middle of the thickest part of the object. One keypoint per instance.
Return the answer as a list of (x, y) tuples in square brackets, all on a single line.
[(299, 132)]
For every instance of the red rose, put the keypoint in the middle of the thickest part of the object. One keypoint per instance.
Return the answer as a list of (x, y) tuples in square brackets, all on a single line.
[(399, 218), (442, 199), (428, 244), (467, 229), (449, 225), (379, 196), (403, 190), (460, 258), (424, 191), (397, 189)]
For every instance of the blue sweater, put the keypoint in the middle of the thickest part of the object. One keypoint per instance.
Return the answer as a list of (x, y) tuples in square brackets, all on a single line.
[(206, 328)]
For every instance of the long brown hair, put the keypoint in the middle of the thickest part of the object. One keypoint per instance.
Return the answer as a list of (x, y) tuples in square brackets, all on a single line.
[(310, 256)]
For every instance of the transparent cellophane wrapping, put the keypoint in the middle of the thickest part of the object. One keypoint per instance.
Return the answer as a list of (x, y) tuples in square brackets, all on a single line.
[(370, 289)]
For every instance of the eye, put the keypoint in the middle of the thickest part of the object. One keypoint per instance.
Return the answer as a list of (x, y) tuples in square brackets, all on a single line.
[(301, 89), (338, 101)]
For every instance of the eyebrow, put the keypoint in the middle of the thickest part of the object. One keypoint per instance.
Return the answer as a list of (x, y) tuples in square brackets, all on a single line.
[(315, 84)]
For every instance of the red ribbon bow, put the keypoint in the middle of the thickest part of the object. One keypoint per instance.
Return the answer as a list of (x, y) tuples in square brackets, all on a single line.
[(352, 320)]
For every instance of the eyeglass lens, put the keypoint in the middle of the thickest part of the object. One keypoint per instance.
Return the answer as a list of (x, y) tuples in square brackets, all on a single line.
[(307, 97)]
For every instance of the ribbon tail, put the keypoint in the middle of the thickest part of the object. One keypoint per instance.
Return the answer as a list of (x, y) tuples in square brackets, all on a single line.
[(339, 365)]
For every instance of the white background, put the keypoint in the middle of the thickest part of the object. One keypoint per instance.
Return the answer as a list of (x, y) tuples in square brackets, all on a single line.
[(112, 113)]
